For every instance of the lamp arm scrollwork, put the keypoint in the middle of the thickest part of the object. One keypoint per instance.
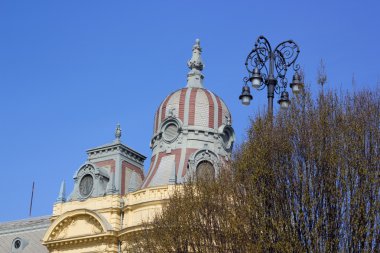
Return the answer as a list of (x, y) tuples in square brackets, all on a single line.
[(259, 57), (285, 55), (262, 42), (289, 51)]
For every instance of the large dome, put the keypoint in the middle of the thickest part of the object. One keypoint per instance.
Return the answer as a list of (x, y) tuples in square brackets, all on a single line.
[(192, 132), (193, 107)]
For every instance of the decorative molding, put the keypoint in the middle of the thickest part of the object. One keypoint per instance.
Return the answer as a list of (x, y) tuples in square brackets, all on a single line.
[(99, 183), (203, 155), (68, 224)]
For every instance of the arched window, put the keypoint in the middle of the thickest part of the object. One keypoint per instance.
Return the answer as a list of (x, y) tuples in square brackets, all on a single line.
[(205, 170)]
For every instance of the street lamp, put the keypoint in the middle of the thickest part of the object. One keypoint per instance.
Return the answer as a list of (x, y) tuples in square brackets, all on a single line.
[(265, 66), (245, 96)]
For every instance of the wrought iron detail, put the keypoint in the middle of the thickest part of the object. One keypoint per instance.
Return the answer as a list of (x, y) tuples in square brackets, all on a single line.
[(267, 68), (273, 64)]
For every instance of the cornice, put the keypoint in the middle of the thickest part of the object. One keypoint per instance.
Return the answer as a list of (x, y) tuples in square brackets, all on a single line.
[(126, 231), (144, 204), (82, 239), (116, 148), (89, 207)]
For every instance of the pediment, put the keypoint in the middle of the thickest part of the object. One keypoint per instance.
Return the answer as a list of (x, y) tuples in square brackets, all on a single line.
[(76, 226)]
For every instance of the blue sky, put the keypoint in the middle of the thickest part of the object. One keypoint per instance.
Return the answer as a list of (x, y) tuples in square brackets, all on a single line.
[(71, 70)]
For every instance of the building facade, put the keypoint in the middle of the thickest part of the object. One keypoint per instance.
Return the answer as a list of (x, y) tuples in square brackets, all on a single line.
[(192, 137)]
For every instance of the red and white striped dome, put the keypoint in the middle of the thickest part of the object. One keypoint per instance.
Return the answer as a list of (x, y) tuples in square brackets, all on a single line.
[(192, 131), (193, 107)]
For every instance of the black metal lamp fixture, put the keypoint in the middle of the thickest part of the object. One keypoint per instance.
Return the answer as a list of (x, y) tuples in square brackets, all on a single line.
[(256, 78), (265, 66), (296, 85), (284, 100), (245, 96)]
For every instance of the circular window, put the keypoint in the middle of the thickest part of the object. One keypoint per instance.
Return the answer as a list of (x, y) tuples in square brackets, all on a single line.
[(17, 244), (171, 132), (205, 170), (86, 185)]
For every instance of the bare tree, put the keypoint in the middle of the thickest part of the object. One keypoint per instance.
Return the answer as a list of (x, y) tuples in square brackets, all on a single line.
[(308, 181)]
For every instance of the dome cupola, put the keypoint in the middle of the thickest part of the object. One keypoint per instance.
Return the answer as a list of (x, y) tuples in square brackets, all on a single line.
[(192, 131)]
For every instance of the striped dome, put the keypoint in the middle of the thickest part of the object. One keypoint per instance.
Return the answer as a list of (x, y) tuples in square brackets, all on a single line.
[(193, 107), (192, 132)]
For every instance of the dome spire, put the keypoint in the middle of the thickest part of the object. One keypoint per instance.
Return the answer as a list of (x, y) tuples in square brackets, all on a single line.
[(195, 64)]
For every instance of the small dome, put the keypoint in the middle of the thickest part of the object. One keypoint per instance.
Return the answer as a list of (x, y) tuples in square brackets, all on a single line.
[(193, 107)]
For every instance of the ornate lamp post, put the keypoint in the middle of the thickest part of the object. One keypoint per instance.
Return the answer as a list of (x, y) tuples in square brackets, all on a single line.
[(265, 66)]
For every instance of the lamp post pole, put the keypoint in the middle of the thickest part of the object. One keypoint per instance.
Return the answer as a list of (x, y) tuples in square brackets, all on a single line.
[(266, 66), (272, 82)]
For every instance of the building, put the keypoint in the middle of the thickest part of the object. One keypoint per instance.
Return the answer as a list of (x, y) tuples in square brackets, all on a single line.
[(23, 235), (192, 137)]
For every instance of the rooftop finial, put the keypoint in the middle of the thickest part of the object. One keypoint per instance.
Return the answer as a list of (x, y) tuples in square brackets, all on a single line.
[(118, 133), (195, 64), (62, 193)]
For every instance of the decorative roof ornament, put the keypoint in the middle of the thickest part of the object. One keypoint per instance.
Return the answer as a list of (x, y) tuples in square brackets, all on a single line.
[(195, 76), (62, 193), (117, 133), (228, 120), (171, 111)]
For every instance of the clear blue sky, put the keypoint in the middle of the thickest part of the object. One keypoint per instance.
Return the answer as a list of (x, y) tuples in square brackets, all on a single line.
[(71, 70)]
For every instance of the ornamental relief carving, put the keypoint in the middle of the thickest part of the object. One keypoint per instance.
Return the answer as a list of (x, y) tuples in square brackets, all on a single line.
[(203, 155), (85, 169), (80, 225)]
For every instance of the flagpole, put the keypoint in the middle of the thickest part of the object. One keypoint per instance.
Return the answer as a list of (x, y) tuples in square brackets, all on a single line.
[(31, 201)]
